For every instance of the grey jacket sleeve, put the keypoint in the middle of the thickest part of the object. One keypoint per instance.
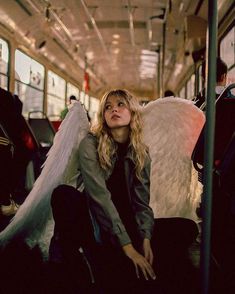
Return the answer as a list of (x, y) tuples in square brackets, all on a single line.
[(144, 214), (100, 201)]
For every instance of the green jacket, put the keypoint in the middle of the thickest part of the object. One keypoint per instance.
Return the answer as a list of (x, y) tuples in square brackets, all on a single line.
[(99, 197), (64, 113)]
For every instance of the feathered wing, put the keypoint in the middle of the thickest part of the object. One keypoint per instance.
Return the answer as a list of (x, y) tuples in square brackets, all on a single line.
[(171, 129), (60, 167)]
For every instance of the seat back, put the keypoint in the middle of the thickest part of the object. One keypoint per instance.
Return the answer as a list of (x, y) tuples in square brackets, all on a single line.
[(56, 124), (226, 169), (224, 128), (28, 136), (42, 128)]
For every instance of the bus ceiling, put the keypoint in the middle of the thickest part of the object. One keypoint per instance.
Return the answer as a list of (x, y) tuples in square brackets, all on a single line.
[(144, 46)]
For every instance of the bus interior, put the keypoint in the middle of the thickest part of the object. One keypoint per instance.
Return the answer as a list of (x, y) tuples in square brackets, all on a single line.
[(51, 50)]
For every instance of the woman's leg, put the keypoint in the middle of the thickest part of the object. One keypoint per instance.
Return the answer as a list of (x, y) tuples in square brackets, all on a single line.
[(72, 220), (170, 242), (73, 229), (118, 274)]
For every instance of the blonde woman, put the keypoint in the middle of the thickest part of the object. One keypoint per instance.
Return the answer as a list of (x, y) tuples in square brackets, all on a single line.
[(112, 220)]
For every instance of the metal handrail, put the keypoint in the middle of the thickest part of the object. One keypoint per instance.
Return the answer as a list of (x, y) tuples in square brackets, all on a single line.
[(209, 145)]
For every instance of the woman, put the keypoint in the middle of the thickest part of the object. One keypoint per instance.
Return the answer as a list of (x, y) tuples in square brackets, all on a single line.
[(113, 221)]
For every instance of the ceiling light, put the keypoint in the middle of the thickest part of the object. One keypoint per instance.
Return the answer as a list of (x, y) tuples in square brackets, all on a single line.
[(181, 6), (178, 68), (148, 65), (116, 36), (90, 55), (116, 51), (147, 70), (149, 58), (115, 42), (148, 52)]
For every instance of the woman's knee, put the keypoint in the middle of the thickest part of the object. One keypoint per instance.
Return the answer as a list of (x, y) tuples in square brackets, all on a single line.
[(63, 195)]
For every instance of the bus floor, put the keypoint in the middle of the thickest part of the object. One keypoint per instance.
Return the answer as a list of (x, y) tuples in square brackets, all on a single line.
[(24, 271)]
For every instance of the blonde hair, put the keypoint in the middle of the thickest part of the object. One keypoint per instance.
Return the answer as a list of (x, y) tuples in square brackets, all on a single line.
[(106, 143)]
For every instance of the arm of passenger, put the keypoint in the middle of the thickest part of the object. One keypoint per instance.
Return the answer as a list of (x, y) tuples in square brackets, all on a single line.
[(99, 196), (144, 213)]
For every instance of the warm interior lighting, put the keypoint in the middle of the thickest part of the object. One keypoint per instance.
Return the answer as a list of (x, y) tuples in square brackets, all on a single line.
[(116, 36)]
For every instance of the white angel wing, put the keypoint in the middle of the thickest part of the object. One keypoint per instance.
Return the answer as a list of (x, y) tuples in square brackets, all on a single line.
[(171, 129), (60, 166)]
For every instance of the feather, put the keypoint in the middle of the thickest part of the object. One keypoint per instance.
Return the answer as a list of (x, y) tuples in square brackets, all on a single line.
[(171, 129), (60, 167)]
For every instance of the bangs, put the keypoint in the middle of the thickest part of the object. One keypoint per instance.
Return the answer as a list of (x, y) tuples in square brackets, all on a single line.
[(119, 92)]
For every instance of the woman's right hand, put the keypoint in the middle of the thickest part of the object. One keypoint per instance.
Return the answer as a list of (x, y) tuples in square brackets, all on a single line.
[(139, 261)]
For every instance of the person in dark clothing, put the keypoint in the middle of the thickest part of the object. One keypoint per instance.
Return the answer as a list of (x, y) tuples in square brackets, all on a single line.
[(11, 143), (221, 78), (168, 93), (111, 220), (6, 158), (15, 155)]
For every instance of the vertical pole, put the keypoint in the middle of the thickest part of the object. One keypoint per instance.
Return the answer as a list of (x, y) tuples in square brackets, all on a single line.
[(45, 92), (158, 71), (209, 143), (11, 69), (163, 59)]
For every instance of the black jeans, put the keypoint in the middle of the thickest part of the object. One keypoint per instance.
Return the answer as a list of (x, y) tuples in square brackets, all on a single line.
[(112, 269)]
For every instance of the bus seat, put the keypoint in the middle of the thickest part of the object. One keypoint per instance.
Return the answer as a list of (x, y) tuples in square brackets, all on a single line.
[(42, 128), (28, 136), (56, 124), (226, 169), (224, 129), (24, 144)]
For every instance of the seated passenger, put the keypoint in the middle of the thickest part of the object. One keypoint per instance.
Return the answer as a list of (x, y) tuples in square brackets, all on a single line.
[(115, 169), (221, 79), (65, 111), (112, 221), (168, 93), (14, 162), (8, 206)]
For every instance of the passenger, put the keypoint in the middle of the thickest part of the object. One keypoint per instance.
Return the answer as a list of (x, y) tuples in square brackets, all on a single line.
[(65, 111), (169, 93), (7, 205), (221, 79), (13, 153), (115, 168), (113, 226)]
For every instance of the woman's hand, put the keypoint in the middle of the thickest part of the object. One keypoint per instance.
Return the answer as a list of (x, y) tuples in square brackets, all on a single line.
[(147, 250), (139, 261)]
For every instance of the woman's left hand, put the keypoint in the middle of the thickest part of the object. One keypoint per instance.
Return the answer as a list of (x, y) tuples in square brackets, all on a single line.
[(147, 250)]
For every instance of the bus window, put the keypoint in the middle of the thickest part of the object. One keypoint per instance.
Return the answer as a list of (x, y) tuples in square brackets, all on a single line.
[(56, 94), (4, 60), (227, 53), (191, 87), (94, 105), (200, 80), (182, 93), (87, 102), (72, 90), (29, 82), (82, 97)]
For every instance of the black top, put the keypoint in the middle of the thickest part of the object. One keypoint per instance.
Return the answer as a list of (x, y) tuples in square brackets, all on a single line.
[(119, 193)]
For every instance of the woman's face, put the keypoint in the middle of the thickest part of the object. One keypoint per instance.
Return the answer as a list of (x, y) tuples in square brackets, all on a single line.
[(116, 112)]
